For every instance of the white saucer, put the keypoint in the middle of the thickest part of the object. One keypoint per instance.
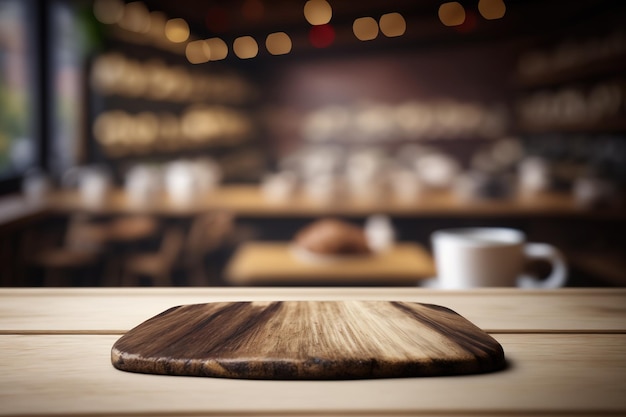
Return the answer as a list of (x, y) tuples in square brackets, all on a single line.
[(430, 283)]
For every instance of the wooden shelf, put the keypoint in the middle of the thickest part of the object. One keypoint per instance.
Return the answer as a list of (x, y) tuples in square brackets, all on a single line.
[(398, 142), (601, 69), (613, 125)]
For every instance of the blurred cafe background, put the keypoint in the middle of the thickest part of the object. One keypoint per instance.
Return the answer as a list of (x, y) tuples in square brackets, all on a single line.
[(160, 142)]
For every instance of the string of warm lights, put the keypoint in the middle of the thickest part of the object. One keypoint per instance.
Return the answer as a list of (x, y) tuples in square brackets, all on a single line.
[(135, 18)]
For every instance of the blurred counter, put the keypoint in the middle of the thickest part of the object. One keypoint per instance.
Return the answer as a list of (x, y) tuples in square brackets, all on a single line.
[(248, 200)]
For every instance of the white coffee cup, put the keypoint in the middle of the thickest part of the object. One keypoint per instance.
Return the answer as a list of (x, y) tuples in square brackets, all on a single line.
[(492, 257), (93, 183), (279, 187)]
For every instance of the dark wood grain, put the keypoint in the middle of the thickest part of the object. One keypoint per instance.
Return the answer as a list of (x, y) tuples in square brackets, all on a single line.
[(308, 340)]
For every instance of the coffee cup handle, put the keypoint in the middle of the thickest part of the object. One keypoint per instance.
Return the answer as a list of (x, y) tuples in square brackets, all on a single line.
[(544, 251)]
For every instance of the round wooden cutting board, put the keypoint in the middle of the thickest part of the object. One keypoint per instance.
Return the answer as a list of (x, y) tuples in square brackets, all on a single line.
[(308, 340)]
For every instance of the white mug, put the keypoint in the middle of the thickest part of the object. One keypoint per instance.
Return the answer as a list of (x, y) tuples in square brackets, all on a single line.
[(143, 184), (492, 257), (181, 183), (93, 183), (278, 187)]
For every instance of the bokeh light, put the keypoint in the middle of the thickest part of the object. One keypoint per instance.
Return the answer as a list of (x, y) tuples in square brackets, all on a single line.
[(198, 52), (136, 18), (492, 9), (115, 74), (469, 24), (121, 132), (146, 128), (177, 30), (452, 14), (157, 25), (278, 43), (392, 25), (365, 28), (245, 47), (108, 11), (219, 49), (318, 12), (322, 36)]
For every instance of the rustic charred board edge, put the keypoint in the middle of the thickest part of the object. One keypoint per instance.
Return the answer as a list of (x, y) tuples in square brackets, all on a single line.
[(488, 352), (314, 369)]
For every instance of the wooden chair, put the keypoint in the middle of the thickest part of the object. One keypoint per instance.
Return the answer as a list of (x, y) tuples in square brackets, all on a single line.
[(207, 233), (80, 250), (127, 235), (158, 266), (131, 229)]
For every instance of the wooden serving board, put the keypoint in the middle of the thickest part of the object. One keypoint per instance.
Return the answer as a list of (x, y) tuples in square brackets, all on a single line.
[(308, 340)]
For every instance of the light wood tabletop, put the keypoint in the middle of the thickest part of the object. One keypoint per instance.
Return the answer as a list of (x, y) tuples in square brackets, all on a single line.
[(278, 263), (565, 349)]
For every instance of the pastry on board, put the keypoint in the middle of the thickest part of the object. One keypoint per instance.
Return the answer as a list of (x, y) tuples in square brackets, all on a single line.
[(332, 237)]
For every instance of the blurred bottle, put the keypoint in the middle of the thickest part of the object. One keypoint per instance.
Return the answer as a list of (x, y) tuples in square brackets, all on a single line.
[(534, 175), (379, 233)]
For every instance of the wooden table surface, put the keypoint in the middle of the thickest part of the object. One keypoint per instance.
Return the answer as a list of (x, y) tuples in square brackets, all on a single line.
[(566, 351), (274, 263)]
